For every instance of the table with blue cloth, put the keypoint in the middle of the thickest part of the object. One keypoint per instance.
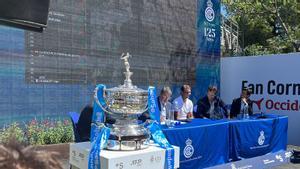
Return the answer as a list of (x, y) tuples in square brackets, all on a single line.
[(202, 142), (205, 143), (257, 136)]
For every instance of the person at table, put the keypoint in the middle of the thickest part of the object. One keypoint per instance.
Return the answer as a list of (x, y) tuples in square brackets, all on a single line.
[(243, 104), (211, 106), (182, 105), (164, 105)]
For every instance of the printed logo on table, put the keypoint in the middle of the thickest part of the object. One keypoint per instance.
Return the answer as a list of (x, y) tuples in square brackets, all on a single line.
[(288, 154), (209, 11), (261, 138), (268, 161), (188, 150), (279, 158), (233, 166)]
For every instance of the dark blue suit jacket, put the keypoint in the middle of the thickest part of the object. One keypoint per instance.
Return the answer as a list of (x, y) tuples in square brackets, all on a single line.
[(203, 107)]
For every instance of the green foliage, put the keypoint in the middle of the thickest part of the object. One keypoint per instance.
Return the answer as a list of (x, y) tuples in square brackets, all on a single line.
[(257, 22), (48, 132), (40, 133), (12, 131), (255, 49)]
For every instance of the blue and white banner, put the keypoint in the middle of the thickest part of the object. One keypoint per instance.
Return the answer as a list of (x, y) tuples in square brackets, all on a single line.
[(152, 104), (159, 138), (98, 113), (97, 145), (208, 27)]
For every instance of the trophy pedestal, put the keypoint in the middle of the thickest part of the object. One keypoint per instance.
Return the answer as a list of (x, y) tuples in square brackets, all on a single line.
[(127, 137), (150, 158)]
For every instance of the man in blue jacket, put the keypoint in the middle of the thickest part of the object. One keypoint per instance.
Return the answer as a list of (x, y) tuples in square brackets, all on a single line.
[(211, 106)]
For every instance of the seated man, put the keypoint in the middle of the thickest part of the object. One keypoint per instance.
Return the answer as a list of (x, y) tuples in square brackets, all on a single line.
[(164, 105), (211, 106), (183, 106), (243, 104)]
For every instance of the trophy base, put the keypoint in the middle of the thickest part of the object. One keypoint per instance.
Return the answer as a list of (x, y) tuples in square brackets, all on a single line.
[(127, 145), (128, 138)]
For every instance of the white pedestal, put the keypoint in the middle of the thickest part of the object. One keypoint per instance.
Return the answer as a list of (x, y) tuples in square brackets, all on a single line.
[(150, 158)]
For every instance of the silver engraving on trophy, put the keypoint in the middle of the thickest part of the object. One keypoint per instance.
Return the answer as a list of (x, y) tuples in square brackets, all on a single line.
[(124, 104)]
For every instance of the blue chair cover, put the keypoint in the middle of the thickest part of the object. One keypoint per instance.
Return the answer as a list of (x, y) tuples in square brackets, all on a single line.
[(74, 118)]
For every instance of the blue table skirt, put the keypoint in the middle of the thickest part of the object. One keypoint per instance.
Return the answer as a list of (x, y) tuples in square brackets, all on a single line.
[(204, 143), (255, 137)]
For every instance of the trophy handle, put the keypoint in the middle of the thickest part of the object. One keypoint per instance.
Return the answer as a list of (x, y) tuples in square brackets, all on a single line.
[(145, 109), (98, 102)]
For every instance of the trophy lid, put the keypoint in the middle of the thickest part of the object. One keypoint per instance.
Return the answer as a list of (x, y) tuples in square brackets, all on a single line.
[(126, 101), (127, 87)]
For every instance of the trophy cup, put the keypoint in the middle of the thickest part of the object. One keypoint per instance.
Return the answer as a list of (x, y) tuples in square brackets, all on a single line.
[(124, 104)]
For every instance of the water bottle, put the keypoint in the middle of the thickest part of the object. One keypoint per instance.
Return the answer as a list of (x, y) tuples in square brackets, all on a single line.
[(170, 112), (246, 116), (170, 116), (245, 110)]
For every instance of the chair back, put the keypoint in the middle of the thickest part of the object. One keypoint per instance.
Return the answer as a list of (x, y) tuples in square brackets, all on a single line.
[(74, 118)]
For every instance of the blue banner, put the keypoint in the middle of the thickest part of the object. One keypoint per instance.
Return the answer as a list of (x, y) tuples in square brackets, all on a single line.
[(97, 145), (208, 27), (162, 141), (152, 104), (98, 113)]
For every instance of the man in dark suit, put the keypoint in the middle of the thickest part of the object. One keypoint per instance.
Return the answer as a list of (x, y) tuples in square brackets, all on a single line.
[(242, 104), (211, 106)]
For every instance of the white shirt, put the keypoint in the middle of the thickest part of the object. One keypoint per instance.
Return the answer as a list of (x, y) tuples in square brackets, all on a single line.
[(165, 110), (183, 108), (244, 107)]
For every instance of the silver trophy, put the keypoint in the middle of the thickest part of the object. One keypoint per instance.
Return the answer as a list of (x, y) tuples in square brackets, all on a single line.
[(124, 104)]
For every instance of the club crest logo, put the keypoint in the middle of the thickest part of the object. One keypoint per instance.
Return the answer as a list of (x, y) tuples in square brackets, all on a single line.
[(188, 150), (209, 11), (279, 158), (261, 138)]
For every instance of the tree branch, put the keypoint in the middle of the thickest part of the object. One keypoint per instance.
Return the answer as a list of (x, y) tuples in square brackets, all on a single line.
[(268, 9), (285, 27)]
